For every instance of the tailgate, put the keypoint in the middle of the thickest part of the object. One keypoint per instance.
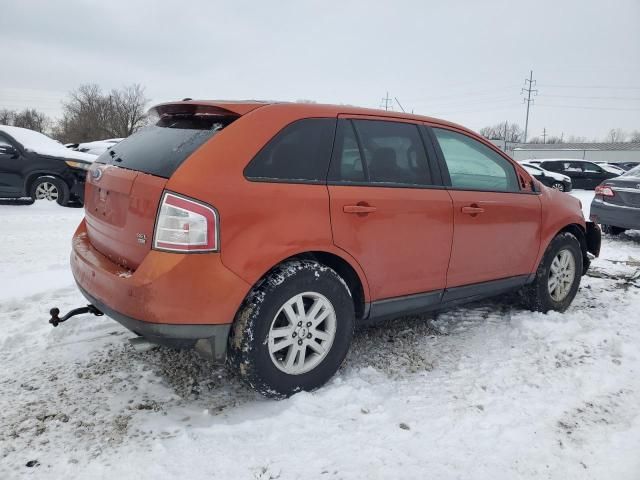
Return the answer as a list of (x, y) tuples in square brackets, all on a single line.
[(121, 207)]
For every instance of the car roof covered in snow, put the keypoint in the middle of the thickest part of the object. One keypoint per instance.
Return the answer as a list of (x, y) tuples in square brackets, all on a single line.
[(39, 143)]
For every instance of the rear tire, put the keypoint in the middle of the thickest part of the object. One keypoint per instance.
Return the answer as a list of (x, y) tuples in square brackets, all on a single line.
[(558, 276), (50, 188), (611, 230), (280, 344)]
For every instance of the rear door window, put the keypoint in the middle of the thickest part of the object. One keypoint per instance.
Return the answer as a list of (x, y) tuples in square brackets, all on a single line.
[(299, 153), (379, 152), (474, 166), (161, 148)]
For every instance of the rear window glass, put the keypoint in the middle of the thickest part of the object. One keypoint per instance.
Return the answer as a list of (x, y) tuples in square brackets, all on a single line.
[(299, 153), (161, 148)]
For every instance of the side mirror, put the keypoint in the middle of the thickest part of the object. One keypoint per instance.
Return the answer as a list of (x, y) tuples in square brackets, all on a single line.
[(8, 150)]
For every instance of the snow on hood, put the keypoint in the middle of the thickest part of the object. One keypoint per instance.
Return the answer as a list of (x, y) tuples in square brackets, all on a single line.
[(39, 143), (98, 147)]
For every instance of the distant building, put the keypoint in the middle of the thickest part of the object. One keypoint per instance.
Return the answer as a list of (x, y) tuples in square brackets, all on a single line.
[(595, 152)]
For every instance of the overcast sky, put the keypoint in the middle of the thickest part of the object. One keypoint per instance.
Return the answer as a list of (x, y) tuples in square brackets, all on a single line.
[(464, 61)]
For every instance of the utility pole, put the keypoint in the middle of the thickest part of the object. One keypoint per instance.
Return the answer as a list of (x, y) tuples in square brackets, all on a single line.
[(544, 135), (506, 123), (529, 83), (385, 102)]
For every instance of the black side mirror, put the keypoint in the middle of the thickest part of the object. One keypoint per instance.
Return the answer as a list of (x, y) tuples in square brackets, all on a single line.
[(8, 150)]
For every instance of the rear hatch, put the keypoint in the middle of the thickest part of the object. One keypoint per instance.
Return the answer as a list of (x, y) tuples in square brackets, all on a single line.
[(125, 184)]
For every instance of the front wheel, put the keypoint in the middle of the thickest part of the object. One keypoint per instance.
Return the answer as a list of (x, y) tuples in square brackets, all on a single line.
[(558, 186), (50, 188), (558, 276), (293, 330)]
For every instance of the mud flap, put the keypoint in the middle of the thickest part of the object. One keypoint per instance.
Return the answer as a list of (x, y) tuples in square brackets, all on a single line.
[(594, 238)]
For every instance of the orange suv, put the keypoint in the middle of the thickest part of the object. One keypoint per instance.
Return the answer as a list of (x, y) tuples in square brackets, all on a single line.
[(263, 233)]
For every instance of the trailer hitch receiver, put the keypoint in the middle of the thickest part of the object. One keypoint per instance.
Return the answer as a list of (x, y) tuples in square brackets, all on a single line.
[(56, 320)]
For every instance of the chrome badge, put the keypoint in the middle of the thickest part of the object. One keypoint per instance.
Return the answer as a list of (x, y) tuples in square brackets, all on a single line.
[(96, 174)]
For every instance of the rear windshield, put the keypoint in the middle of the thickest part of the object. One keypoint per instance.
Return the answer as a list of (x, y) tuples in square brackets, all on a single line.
[(634, 172), (161, 148)]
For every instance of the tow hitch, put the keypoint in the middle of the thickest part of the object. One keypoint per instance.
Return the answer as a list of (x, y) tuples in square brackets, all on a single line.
[(55, 320)]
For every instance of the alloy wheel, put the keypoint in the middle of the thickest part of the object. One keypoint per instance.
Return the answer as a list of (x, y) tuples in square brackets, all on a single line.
[(301, 333), (47, 191), (561, 275)]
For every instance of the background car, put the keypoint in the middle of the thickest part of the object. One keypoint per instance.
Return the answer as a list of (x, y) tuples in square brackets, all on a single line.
[(94, 148), (616, 205), (627, 165), (34, 165), (610, 167), (584, 174), (550, 179)]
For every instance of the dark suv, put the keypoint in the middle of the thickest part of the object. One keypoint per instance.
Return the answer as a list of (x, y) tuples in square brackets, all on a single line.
[(583, 174), (34, 165)]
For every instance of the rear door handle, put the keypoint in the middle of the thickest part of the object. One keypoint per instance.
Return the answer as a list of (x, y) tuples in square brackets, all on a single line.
[(359, 209), (472, 210)]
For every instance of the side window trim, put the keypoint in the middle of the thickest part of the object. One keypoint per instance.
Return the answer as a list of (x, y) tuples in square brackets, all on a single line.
[(363, 160), (445, 170)]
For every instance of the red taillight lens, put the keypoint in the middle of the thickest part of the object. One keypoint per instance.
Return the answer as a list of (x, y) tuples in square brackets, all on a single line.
[(604, 191), (185, 225)]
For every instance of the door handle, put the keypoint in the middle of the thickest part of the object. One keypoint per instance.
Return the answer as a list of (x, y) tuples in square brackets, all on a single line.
[(360, 208), (472, 210)]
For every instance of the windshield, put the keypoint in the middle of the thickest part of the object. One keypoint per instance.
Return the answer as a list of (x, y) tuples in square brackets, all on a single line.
[(161, 148), (634, 172)]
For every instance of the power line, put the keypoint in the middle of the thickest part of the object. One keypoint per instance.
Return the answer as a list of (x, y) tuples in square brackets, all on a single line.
[(589, 108), (528, 87), (611, 87), (591, 97)]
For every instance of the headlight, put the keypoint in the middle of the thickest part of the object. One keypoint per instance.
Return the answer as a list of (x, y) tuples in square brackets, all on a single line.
[(80, 165)]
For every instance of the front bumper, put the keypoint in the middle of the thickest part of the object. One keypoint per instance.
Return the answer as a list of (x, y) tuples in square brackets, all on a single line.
[(614, 215), (172, 299)]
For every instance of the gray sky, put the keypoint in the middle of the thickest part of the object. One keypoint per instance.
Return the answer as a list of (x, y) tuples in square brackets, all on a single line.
[(464, 61)]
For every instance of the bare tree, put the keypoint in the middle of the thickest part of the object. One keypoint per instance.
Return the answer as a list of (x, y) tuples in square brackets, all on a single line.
[(616, 135), (89, 114), (127, 110), (7, 116), (32, 119), (511, 132), (635, 136)]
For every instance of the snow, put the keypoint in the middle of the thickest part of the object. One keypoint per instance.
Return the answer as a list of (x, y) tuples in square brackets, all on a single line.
[(99, 146), (488, 391), (40, 143)]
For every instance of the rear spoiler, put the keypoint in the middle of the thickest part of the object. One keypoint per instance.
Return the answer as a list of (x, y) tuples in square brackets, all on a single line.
[(210, 107)]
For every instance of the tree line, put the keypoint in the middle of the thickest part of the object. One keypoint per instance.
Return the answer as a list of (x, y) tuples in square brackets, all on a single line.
[(88, 114), (512, 132)]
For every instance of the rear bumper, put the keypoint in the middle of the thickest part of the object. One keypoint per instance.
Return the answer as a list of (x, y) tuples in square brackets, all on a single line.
[(169, 297), (213, 337), (615, 215)]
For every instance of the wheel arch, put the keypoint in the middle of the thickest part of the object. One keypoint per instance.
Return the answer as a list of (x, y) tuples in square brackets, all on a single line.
[(32, 177), (352, 275), (580, 233)]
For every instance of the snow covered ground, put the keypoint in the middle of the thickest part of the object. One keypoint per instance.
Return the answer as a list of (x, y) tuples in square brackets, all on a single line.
[(487, 391)]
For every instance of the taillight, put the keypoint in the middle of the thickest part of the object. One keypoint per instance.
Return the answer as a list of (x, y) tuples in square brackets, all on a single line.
[(604, 191), (185, 225)]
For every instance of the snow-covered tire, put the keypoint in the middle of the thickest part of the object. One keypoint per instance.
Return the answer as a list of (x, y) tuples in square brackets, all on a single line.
[(539, 295), (270, 317), (50, 188), (612, 230)]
